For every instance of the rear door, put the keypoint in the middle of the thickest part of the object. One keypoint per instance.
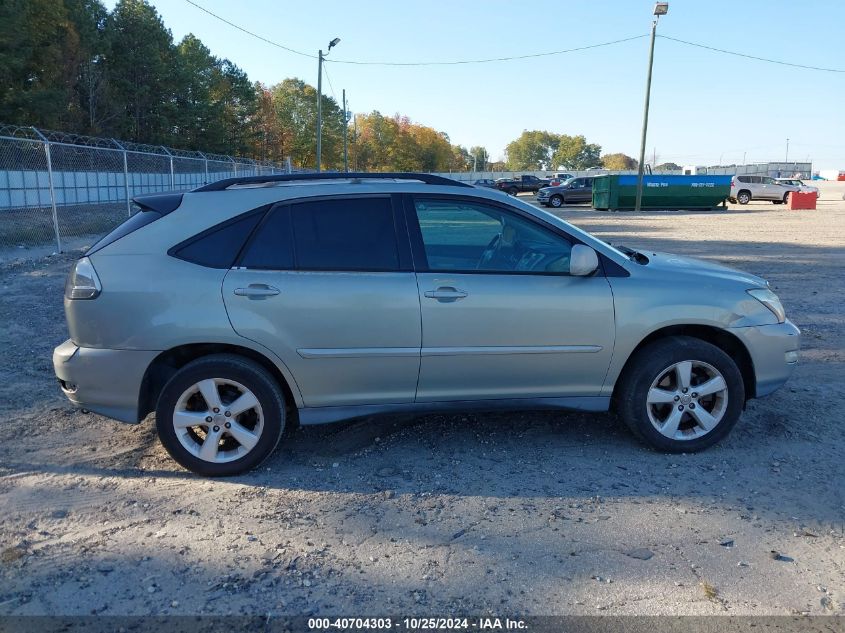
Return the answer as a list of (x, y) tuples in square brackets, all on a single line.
[(770, 189), (501, 316), (327, 285)]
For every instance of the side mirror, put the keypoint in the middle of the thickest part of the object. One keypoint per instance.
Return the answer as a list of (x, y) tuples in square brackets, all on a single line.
[(583, 261)]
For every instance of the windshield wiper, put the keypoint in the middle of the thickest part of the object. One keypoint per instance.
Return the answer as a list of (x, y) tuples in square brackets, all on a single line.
[(633, 255)]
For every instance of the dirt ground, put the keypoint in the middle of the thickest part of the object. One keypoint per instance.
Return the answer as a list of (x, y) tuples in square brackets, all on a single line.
[(531, 513)]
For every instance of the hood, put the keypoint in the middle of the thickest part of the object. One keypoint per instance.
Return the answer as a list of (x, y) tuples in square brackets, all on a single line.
[(671, 264)]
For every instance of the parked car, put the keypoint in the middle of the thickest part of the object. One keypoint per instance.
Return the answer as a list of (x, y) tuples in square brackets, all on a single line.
[(254, 303), (744, 189), (795, 182), (558, 178), (571, 191), (513, 186), (485, 182)]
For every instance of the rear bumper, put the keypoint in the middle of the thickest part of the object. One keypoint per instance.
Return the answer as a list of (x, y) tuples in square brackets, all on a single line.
[(105, 381), (774, 353)]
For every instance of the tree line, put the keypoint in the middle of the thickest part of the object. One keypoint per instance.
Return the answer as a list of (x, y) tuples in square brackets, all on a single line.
[(73, 66)]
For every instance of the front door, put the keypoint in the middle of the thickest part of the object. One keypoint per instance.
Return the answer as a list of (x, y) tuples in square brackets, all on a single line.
[(326, 285), (501, 316)]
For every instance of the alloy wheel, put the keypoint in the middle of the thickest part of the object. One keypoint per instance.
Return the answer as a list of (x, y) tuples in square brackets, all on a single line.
[(687, 400), (218, 420)]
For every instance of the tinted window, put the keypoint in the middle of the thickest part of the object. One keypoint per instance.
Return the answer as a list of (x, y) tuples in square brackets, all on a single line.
[(469, 236), (745, 179), (219, 246), (272, 246), (346, 234)]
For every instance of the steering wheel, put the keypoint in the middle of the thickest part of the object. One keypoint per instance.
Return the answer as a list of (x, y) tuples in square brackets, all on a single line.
[(489, 252)]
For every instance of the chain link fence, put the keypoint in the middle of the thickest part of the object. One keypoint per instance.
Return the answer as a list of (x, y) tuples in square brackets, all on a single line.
[(55, 187)]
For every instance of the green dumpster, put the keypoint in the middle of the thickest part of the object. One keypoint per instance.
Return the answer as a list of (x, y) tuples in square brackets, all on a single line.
[(613, 191)]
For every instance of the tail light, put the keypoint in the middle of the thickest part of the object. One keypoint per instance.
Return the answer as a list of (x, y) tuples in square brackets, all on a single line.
[(83, 282)]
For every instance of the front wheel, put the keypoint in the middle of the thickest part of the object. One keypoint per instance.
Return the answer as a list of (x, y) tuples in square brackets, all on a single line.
[(556, 201), (681, 394), (220, 415)]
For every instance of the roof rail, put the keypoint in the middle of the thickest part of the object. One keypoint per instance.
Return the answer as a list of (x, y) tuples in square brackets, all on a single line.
[(428, 179)]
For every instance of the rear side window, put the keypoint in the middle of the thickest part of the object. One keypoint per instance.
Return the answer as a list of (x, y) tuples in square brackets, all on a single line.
[(219, 246), (345, 234), (745, 179)]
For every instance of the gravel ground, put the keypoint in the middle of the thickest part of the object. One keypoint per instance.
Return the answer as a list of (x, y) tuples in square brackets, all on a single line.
[(532, 513)]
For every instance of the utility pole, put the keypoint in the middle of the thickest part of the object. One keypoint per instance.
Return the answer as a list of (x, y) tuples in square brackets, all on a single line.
[(786, 160), (320, 58), (661, 8), (345, 144), (319, 110)]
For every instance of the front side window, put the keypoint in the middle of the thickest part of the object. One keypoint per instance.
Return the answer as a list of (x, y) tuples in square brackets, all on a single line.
[(462, 236), (345, 234)]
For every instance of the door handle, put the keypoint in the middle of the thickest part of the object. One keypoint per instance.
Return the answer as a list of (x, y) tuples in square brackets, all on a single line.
[(446, 293), (257, 291)]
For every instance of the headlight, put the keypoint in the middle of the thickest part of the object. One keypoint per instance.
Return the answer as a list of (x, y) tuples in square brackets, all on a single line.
[(770, 300), (83, 282)]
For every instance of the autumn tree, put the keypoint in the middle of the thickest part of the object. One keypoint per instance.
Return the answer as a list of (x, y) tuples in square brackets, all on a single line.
[(668, 167), (532, 150), (618, 162), (573, 152)]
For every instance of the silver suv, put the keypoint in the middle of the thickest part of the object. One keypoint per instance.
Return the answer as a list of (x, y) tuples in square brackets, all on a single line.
[(250, 304), (744, 189)]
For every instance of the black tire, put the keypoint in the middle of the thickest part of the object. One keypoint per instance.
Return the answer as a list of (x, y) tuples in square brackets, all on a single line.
[(556, 201), (232, 368), (743, 197), (513, 191), (786, 198), (649, 363)]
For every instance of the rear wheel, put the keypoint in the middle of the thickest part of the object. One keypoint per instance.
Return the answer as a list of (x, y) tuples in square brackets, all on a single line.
[(513, 191), (220, 415), (743, 197), (556, 201), (681, 394)]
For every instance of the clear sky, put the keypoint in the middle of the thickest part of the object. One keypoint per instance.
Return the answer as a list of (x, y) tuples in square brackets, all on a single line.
[(705, 106)]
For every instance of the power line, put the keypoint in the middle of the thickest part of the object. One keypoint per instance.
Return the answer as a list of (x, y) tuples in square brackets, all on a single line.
[(381, 63), (761, 59), (255, 35), (489, 59), (329, 79), (512, 57)]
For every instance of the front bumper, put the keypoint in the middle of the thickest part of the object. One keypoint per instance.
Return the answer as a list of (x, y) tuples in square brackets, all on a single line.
[(774, 353), (105, 381)]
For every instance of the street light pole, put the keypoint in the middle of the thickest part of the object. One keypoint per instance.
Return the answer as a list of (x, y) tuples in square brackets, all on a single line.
[(786, 160), (320, 58), (661, 8)]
